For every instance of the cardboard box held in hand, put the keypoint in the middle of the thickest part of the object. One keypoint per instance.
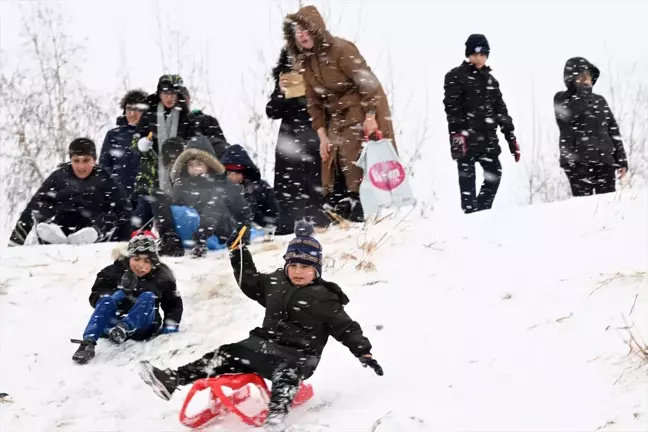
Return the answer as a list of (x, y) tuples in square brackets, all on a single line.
[(294, 85)]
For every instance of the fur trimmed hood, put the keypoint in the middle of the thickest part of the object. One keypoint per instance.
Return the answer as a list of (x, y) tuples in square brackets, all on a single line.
[(310, 19), (200, 148)]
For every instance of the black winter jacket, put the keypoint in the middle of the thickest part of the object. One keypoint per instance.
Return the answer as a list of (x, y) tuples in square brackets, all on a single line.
[(206, 125), (589, 134), (474, 107), (299, 319), (219, 203), (98, 198), (258, 193), (160, 282), (118, 156)]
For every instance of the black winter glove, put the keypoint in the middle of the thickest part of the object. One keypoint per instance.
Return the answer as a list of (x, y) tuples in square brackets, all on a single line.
[(128, 283), (372, 363), (240, 236)]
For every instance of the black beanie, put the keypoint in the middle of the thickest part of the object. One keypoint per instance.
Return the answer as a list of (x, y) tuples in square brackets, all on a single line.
[(477, 44), (170, 82), (83, 147)]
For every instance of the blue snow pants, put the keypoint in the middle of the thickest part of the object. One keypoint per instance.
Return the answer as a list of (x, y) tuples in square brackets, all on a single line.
[(140, 319)]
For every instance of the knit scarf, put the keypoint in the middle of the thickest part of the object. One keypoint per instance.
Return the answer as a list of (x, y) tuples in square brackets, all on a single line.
[(166, 128)]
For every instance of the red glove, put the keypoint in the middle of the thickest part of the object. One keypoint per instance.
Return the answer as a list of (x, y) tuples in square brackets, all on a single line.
[(458, 147), (515, 150)]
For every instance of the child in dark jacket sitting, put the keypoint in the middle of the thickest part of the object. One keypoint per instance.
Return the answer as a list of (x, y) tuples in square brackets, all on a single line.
[(301, 311), (258, 193), (126, 296)]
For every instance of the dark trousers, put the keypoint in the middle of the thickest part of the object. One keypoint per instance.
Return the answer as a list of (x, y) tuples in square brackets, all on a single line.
[(470, 200), (588, 180), (252, 356)]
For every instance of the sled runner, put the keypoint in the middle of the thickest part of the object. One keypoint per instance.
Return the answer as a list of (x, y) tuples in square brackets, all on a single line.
[(220, 403)]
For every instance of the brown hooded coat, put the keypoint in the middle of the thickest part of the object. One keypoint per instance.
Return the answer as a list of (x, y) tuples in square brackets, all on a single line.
[(340, 88)]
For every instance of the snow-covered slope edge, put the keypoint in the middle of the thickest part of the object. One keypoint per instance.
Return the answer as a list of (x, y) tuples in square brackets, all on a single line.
[(494, 321)]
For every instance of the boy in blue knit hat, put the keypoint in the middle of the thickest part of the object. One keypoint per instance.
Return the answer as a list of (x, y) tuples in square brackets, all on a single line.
[(302, 311)]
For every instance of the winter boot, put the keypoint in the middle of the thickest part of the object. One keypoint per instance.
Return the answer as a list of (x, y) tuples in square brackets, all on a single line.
[(350, 208), (171, 245), (199, 249), (51, 233), (87, 235), (275, 422), (357, 212), (285, 383), (163, 382), (119, 333), (85, 352)]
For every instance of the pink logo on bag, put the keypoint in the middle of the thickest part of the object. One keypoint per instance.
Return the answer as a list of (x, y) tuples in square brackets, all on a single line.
[(387, 175)]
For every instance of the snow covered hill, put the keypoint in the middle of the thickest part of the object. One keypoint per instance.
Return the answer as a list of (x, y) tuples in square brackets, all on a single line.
[(494, 321)]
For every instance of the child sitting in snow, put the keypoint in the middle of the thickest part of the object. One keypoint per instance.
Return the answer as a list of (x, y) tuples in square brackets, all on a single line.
[(258, 193), (198, 183), (126, 296), (302, 311), (79, 203)]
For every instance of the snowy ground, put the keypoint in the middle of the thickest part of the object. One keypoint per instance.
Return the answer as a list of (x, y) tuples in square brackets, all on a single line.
[(496, 321)]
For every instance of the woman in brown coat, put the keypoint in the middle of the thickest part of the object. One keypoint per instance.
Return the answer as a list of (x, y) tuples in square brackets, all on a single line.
[(345, 101)]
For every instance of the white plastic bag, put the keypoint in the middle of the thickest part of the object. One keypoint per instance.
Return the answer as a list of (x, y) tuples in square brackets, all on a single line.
[(385, 182)]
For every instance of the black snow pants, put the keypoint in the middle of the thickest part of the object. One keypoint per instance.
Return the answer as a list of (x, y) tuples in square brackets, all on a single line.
[(283, 367), (470, 201), (586, 180)]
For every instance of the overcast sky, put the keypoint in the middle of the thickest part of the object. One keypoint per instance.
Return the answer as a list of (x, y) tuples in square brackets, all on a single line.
[(411, 44)]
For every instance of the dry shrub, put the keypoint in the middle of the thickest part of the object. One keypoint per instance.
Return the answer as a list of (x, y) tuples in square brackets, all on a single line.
[(636, 343)]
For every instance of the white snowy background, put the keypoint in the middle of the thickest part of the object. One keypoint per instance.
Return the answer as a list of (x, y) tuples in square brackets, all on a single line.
[(508, 320)]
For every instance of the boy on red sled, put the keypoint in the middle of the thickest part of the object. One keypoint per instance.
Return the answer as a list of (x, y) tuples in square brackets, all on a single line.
[(301, 311)]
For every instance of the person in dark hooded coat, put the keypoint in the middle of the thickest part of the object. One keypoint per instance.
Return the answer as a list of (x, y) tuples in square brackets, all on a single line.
[(199, 183), (258, 193), (591, 149), (298, 178), (302, 311)]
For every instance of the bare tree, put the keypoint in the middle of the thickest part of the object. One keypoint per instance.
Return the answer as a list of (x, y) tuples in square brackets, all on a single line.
[(258, 83), (628, 100), (545, 181), (43, 105)]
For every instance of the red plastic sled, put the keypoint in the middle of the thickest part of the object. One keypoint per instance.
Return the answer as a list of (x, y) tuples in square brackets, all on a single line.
[(221, 404)]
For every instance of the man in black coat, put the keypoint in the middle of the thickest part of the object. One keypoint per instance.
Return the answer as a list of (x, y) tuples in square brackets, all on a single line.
[(126, 298), (167, 117), (591, 149), (475, 108), (301, 311), (79, 203)]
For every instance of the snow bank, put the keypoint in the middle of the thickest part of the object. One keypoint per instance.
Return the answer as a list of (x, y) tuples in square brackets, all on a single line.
[(494, 321)]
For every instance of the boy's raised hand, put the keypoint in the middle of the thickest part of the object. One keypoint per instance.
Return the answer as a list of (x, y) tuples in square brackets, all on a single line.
[(240, 236), (368, 361)]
